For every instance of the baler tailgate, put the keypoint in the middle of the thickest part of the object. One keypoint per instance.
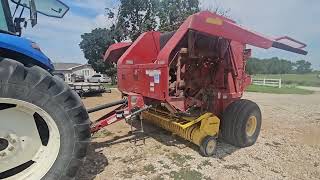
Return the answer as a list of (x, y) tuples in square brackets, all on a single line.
[(219, 26)]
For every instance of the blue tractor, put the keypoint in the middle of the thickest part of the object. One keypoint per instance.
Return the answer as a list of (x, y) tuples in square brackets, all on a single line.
[(44, 127)]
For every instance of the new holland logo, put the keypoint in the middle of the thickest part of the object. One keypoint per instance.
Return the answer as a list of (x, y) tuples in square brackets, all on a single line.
[(215, 21)]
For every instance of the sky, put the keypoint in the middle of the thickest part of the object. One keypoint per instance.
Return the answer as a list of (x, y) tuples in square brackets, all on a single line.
[(60, 38)]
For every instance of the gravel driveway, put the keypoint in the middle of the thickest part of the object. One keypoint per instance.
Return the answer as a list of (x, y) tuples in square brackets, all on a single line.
[(288, 147)]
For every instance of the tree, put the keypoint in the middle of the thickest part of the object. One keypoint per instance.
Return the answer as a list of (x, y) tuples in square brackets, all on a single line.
[(129, 20), (303, 67), (172, 13), (132, 18), (217, 8), (94, 45), (135, 17), (269, 66)]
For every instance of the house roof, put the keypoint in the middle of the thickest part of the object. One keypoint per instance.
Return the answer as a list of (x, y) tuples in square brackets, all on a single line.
[(65, 66)]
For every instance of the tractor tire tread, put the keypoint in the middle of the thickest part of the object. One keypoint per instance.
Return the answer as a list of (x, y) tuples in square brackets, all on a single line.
[(233, 120), (38, 86)]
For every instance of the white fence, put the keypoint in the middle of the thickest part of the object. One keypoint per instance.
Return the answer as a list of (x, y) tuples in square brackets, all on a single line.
[(267, 82)]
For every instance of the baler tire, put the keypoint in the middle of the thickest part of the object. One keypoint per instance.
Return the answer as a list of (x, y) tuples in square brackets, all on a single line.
[(36, 87), (234, 124), (208, 151)]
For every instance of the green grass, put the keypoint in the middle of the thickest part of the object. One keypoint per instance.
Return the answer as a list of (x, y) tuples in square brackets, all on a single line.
[(149, 168), (275, 90), (204, 163), (102, 133), (128, 173), (107, 85), (179, 159), (186, 174), (311, 79)]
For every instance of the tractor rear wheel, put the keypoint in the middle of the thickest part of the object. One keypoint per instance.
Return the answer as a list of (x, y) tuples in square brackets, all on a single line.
[(44, 127), (241, 123)]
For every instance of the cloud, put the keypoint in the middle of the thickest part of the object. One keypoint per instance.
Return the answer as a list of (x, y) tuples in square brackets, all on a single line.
[(90, 4), (60, 38)]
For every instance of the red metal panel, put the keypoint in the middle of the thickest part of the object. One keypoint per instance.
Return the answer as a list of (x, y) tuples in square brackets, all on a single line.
[(115, 51), (164, 54), (107, 119), (137, 71), (215, 25), (149, 80), (144, 50)]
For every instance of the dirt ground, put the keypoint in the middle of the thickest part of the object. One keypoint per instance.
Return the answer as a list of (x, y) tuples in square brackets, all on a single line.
[(288, 147)]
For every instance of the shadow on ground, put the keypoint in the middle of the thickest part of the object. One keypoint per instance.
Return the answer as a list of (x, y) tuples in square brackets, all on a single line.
[(168, 139), (96, 161)]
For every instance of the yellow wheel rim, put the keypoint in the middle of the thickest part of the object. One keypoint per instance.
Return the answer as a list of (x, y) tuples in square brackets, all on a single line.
[(251, 125)]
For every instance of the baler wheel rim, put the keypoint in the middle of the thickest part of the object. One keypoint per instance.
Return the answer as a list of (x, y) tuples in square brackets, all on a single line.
[(251, 125), (208, 146)]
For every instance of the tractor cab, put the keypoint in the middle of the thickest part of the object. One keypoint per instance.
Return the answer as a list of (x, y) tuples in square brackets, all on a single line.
[(14, 15)]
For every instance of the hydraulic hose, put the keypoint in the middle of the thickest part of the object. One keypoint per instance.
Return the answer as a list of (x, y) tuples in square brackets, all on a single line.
[(101, 107)]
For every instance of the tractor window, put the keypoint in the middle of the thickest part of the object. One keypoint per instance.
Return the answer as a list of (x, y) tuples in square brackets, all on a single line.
[(51, 8), (3, 21)]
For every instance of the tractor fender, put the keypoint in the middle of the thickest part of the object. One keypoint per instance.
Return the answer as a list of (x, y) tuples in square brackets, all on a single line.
[(12, 46)]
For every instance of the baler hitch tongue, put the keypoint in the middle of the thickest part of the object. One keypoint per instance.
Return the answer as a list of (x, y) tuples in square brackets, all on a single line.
[(137, 112), (122, 112)]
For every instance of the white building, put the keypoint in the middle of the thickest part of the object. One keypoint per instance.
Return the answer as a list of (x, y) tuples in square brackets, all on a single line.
[(69, 70)]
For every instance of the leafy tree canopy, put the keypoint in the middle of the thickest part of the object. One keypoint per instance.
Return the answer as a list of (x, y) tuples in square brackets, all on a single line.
[(137, 16), (132, 18), (303, 67), (94, 45), (277, 66), (172, 13)]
